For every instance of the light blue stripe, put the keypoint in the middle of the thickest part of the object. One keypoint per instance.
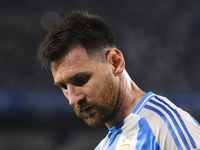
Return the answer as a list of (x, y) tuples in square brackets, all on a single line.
[(145, 138), (174, 121), (141, 103), (195, 121), (181, 121), (167, 123), (114, 135), (98, 148)]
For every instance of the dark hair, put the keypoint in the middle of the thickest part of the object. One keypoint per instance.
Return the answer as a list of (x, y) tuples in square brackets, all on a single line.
[(77, 29)]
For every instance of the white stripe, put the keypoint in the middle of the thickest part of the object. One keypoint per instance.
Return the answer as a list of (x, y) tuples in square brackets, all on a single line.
[(129, 133), (161, 132), (104, 143), (176, 118), (171, 123), (144, 102)]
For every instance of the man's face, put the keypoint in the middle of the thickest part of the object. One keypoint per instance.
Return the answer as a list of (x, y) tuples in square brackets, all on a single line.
[(89, 84)]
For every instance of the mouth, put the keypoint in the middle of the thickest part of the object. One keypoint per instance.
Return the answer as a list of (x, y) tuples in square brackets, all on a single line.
[(88, 109)]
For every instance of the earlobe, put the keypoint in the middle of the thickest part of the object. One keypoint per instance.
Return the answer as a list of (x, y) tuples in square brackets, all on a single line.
[(116, 59)]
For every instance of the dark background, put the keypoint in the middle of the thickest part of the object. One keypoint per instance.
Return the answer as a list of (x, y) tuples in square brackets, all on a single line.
[(160, 41)]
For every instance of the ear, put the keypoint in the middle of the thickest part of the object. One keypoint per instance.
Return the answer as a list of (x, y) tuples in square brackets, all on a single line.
[(116, 59)]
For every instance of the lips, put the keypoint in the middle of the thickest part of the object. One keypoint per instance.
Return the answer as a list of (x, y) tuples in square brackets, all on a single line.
[(88, 109)]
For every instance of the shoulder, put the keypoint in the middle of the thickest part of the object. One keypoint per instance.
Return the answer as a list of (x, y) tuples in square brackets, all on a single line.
[(172, 126)]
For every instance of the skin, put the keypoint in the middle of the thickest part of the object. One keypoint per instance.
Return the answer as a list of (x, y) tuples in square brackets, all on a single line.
[(101, 92)]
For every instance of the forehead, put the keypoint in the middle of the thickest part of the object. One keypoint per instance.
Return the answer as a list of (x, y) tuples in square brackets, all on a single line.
[(75, 61), (75, 56)]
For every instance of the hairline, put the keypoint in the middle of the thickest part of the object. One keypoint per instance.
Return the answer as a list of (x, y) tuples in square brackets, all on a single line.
[(93, 55)]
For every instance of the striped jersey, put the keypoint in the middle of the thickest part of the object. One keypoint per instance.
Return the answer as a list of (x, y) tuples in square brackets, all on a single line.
[(155, 124)]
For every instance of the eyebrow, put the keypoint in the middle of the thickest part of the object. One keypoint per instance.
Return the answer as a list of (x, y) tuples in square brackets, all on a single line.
[(76, 76)]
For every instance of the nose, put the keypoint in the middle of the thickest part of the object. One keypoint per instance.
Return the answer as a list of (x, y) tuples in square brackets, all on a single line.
[(74, 95)]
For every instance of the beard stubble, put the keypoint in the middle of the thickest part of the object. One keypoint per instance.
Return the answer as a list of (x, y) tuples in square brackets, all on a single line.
[(105, 108)]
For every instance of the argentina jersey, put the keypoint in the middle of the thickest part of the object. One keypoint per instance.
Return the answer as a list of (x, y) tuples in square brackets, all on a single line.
[(155, 124)]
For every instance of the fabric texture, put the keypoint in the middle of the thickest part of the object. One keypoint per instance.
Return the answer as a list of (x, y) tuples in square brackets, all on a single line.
[(155, 124)]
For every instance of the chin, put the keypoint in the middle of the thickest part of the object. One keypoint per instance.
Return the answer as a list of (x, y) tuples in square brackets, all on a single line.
[(94, 121)]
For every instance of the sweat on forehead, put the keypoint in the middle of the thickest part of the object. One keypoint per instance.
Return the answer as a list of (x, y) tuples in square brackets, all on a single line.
[(79, 53), (75, 53)]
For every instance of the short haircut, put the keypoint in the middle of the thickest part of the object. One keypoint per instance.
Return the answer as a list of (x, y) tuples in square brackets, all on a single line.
[(76, 29)]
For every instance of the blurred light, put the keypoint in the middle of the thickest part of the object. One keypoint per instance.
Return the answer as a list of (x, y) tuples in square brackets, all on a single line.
[(49, 19)]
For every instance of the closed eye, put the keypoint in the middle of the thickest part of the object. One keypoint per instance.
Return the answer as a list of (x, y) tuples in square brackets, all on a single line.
[(77, 80), (63, 86), (81, 80)]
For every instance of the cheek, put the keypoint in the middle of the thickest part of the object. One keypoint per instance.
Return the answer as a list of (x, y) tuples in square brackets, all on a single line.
[(94, 88)]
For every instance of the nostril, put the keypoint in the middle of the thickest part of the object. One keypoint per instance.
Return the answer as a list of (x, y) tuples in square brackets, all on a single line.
[(81, 101), (75, 99)]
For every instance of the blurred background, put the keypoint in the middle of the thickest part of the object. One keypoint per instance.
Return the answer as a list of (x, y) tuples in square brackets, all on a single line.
[(160, 41)]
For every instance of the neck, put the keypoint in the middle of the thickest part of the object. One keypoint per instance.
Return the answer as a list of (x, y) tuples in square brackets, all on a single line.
[(131, 94)]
